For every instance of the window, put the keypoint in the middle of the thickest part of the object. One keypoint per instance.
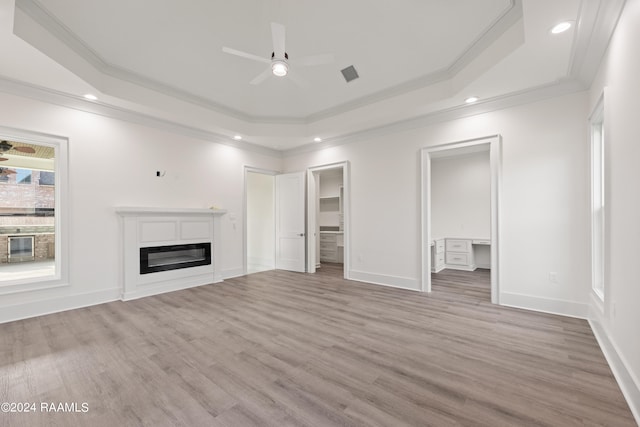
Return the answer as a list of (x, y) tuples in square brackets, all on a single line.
[(32, 193), (598, 200), (47, 178), (23, 176)]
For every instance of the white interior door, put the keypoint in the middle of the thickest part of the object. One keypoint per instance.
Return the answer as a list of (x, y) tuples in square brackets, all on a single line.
[(290, 222)]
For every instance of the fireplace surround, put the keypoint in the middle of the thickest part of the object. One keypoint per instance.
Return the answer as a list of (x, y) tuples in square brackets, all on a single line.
[(168, 249)]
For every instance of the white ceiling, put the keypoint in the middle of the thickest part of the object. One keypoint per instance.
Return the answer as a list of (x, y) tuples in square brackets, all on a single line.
[(164, 59)]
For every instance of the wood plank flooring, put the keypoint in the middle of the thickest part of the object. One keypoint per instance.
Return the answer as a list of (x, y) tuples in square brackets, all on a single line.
[(288, 349)]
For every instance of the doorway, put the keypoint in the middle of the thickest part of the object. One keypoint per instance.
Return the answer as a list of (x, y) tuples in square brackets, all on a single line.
[(328, 218), (259, 221), (466, 242)]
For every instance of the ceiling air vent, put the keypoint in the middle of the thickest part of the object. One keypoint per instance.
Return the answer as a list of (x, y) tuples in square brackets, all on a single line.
[(349, 73)]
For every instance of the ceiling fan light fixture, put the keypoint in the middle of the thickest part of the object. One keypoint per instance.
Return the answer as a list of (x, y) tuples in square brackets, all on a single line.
[(279, 67)]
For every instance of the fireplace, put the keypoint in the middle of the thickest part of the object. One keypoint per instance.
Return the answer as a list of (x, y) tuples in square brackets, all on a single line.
[(20, 248), (174, 257), (168, 249)]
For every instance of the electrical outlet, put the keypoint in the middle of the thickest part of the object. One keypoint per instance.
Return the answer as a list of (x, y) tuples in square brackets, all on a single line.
[(553, 277)]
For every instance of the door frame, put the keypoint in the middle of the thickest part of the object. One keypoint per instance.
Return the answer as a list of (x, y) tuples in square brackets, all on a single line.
[(245, 243), (495, 142), (346, 205)]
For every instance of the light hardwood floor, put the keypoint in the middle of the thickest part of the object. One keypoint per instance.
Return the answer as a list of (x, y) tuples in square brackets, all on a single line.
[(289, 349)]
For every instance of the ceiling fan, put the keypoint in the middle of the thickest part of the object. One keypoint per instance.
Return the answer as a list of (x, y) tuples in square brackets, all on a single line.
[(279, 61), (6, 146), (6, 172)]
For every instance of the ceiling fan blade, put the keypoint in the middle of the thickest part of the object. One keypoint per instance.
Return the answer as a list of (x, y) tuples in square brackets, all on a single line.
[(261, 77), (325, 58), (297, 80), (28, 150), (245, 55), (278, 36)]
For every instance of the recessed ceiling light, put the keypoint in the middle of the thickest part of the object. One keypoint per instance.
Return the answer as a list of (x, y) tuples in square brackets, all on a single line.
[(237, 137), (561, 27), (471, 99), (90, 97), (317, 139)]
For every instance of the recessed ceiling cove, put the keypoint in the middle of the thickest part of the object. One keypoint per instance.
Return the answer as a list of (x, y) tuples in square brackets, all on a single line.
[(176, 48)]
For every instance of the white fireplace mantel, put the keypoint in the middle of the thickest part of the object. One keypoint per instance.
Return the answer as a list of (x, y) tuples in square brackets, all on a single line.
[(137, 211), (155, 226)]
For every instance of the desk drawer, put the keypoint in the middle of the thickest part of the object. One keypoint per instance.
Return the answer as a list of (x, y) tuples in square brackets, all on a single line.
[(439, 246), (456, 258), (458, 245), (438, 259)]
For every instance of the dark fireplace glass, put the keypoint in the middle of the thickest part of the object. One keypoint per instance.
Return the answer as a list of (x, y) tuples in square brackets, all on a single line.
[(164, 258)]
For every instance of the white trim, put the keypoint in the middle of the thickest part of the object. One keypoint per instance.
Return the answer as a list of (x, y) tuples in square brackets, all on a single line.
[(137, 211), (597, 195), (245, 245), (171, 286), (494, 142), (233, 272), (385, 280), (56, 305), (629, 385), (346, 209), (62, 35), (545, 305), (43, 94), (513, 99), (596, 23), (50, 96)]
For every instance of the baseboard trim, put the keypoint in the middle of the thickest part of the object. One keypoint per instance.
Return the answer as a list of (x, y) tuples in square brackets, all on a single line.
[(157, 288), (229, 274), (545, 305), (55, 305), (629, 385), (384, 280)]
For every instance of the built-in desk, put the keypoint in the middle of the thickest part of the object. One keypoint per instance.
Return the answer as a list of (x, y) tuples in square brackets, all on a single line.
[(460, 254)]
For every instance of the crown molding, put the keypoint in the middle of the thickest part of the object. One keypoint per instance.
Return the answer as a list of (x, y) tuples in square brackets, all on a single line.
[(597, 20), (36, 11), (54, 97), (560, 88), (563, 87)]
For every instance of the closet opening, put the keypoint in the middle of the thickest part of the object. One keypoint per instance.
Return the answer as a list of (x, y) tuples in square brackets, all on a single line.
[(460, 218), (328, 219)]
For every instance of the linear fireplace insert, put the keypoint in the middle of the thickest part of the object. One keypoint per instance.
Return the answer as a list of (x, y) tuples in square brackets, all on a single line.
[(173, 257)]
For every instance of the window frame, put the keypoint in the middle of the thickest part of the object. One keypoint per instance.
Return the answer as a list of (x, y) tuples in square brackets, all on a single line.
[(598, 199), (61, 276)]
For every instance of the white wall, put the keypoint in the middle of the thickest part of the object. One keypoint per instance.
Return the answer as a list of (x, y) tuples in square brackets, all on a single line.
[(544, 206), (618, 324), (113, 163), (261, 238), (461, 196)]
